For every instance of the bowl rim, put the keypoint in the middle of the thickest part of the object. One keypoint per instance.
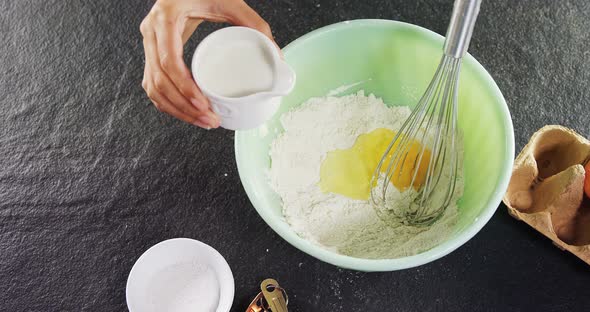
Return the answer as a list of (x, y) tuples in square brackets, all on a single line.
[(221, 268), (381, 265)]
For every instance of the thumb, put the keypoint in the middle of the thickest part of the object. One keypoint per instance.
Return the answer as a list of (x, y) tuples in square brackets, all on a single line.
[(241, 14), (189, 28)]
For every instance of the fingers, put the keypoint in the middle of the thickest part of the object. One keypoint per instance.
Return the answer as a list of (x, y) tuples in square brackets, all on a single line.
[(165, 106), (167, 95), (170, 52), (189, 28), (167, 79), (163, 85)]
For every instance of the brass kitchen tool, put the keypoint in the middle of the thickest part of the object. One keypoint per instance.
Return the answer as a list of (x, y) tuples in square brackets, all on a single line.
[(271, 298)]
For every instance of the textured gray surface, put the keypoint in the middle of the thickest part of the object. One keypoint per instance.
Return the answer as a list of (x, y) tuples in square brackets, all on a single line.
[(91, 175)]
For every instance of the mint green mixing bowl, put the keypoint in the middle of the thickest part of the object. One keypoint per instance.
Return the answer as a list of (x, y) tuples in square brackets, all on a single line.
[(396, 60)]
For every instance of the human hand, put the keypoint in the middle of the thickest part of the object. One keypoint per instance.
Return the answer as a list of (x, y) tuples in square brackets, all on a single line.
[(166, 79)]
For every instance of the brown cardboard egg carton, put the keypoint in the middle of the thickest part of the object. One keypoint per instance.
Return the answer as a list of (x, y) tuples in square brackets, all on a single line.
[(547, 188)]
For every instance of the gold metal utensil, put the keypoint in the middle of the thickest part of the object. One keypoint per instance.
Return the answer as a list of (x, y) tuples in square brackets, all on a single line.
[(272, 298)]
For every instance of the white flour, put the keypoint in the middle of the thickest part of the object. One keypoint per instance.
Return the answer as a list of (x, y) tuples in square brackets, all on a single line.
[(333, 221)]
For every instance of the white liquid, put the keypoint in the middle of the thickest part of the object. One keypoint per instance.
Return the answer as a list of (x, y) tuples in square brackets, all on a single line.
[(237, 68)]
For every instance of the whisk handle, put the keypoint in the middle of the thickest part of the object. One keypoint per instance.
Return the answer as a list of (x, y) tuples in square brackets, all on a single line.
[(461, 27)]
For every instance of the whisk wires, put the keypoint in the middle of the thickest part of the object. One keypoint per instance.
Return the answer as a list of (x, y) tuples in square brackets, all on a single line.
[(432, 126)]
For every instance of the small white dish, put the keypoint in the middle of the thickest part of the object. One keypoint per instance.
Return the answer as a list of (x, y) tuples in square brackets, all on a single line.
[(180, 274), (249, 110)]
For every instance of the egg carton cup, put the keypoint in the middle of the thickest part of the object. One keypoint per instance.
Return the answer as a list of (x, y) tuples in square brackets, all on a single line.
[(546, 190)]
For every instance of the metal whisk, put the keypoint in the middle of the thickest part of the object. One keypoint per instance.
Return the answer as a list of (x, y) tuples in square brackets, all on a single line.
[(426, 145)]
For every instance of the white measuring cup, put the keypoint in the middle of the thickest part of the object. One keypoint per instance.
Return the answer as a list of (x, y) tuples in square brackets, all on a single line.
[(249, 110)]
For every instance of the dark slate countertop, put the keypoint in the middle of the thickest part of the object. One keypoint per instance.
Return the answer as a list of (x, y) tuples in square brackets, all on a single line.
[(91, 175)]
